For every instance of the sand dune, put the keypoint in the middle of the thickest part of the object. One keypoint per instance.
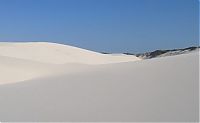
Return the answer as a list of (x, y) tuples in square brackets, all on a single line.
[(162, 90), (58, 54), (23, 61), (154, 90), (16, 70)]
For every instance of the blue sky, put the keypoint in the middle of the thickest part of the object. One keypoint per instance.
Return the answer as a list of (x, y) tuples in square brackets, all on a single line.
[(102, 25)]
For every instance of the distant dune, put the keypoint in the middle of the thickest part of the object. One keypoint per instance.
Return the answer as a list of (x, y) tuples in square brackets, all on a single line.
[(164, 53), (58, 54), (23, 61), (54, 82)]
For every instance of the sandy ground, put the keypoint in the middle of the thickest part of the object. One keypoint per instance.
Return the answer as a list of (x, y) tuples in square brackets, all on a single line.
[(58, 54), (24, 61), (156, 90)]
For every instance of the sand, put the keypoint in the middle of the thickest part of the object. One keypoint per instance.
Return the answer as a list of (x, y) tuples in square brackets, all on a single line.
[(155, 90), (24, 61), (58, 54)]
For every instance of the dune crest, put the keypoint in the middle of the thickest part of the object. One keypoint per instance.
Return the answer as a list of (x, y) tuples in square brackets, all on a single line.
[(30, 60), (156, 90), (58, 54)]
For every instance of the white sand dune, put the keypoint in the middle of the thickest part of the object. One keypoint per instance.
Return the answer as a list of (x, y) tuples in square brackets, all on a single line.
[(15, 70), (23, 61), (113, 90), (58, 53)]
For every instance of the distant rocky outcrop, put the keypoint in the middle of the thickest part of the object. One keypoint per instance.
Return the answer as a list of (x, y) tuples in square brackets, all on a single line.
[(162, 53)]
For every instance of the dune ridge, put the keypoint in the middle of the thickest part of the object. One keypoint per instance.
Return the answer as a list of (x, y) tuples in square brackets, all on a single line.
[(155, 90), (29, 60), (58, 54)]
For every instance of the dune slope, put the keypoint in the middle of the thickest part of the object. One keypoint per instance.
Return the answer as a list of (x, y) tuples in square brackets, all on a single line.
[(58, 54), (30, 60), (156, 90)]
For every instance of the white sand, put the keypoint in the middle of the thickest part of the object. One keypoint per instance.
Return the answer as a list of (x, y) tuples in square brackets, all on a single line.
[(58, 53), (155, 90), (23, 61)]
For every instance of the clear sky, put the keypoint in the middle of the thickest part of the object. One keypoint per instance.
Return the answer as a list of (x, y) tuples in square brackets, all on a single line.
[(102, 25)]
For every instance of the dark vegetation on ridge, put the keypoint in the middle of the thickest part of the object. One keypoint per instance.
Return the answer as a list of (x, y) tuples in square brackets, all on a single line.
[(159, 53)]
